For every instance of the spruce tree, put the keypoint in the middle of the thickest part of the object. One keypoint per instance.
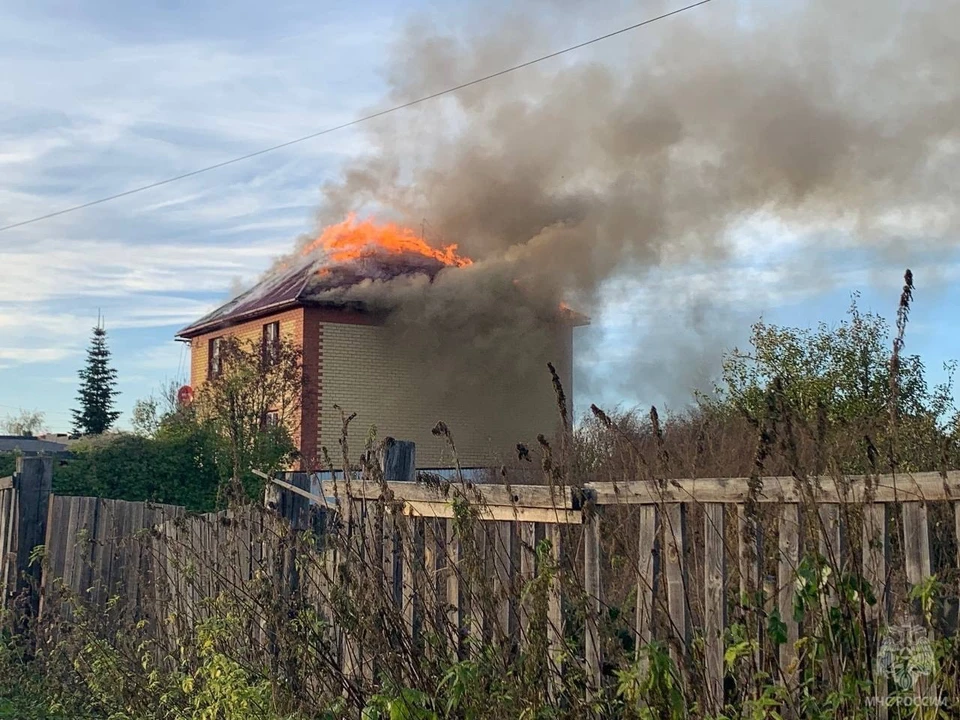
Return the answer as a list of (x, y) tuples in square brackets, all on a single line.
[(98, 382)]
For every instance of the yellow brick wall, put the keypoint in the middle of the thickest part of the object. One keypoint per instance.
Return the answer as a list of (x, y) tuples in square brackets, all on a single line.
[(362, 373), (291, 328)]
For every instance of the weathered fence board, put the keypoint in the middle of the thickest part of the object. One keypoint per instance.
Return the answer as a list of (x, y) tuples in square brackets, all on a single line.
[(555, 627), (478, 537), (646, 544), (7, 553), (455, 618), (830, 537), (591, 572), (749, 555), (95, 551), (519, 497), (714, 563), (854, 489), (916, 542), (876, 546), (494, 513), (23, 522), (528, 564), (789, 547), (674, 531)]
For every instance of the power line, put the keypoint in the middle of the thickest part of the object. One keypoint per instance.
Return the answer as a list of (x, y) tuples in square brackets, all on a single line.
[(45, 412), (351, 123)]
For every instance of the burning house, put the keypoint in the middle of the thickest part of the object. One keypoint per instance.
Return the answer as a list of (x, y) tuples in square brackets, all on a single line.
[(382, 335)]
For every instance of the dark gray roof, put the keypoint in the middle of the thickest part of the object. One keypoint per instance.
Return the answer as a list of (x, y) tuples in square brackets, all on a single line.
[(29, 445), (279, 290), (306, 282)]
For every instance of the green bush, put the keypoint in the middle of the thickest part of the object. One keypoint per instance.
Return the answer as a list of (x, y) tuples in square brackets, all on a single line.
[(175, 469)]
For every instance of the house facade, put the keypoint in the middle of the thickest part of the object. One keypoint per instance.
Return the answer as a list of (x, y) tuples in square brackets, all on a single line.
[(351, 361)]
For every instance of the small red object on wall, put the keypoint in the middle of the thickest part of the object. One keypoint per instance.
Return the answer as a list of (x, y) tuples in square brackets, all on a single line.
[(185, 395)]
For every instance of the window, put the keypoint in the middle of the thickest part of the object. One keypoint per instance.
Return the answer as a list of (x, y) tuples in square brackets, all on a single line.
[(271, 419), (271, 342), (216, 362)]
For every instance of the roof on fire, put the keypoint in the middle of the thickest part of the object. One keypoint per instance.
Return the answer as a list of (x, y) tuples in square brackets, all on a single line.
[(300, 285), (304, 283), (276, 292)]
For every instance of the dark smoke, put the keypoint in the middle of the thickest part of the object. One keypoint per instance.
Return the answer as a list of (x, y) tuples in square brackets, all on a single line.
[(650, 151)]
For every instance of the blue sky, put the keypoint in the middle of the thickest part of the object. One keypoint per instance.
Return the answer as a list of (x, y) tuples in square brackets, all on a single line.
[(98, 97)]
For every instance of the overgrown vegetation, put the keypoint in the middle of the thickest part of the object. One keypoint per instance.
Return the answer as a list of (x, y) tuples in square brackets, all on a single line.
[(191, 455), (251, 407), (828, 390), (177, 466)]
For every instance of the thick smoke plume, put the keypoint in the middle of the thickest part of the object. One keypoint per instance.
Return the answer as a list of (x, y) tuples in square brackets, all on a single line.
[(650, 150)]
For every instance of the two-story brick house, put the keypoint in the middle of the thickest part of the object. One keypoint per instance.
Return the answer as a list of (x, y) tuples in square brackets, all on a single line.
[(348, 361)]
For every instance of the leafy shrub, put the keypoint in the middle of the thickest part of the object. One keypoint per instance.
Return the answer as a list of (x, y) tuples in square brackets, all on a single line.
[(170, 468)]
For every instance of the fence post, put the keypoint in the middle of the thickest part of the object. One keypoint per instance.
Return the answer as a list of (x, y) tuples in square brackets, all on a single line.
[(32, 482), (789, 546), (675, 571), (591, 571), (398, 460), (714, 601), (646, 546), (555, 640)]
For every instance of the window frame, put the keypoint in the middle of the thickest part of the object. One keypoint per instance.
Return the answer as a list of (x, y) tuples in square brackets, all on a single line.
[(271, 419), (271, 346), (214, 357)]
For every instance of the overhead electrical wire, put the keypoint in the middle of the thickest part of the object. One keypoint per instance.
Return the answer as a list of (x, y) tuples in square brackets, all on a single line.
[(45, 412), (351, 123)]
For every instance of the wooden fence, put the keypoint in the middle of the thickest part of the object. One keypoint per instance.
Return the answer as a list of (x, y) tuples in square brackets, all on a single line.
[(698, 550), (60, 552), (701, 550), (23, 506), (850, 526), (96, 550)]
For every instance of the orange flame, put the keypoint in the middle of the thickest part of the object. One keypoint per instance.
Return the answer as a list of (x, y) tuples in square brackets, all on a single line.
[(351, 240)]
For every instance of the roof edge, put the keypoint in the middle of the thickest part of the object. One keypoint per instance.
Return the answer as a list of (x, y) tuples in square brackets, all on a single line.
[(571, 317), (192, 331)]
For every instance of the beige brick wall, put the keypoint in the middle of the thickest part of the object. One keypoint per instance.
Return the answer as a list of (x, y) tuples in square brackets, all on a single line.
[(362, 373), (291, 328)]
